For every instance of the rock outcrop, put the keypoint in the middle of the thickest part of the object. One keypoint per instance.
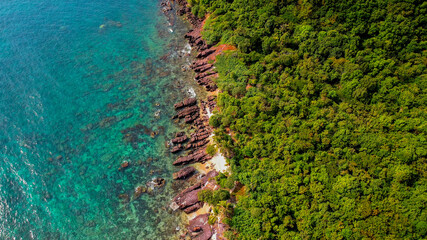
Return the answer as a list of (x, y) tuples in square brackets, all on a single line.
[(199, 228), (184, 173), (189, 111), (177, 148), (186, 103), (188, 200), (199, 156), (180, 139)]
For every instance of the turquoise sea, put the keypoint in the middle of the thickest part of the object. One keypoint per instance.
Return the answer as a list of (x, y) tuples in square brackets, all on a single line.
[(84, 87)]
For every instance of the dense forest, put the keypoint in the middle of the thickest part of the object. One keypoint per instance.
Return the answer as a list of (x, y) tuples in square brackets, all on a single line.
[(322, 116)]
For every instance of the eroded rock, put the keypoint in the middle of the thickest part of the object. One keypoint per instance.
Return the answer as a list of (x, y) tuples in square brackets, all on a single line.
[(184, 173)]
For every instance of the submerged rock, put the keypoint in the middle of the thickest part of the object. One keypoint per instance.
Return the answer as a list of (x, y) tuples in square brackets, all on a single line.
[(124, 165), (91, 224), (124, 197), (153, 134), (156, 183), (159, 182), (138, 191)]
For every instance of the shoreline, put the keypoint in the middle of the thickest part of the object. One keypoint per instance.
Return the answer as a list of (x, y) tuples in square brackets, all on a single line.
[(200, 167), (320, 122)]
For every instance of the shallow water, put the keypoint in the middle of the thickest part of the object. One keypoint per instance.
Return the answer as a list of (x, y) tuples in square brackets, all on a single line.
[(74, 75)]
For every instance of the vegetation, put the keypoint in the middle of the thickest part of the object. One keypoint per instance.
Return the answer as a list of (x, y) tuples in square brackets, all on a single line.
[(326, 103), (213, 197), (211, 150)]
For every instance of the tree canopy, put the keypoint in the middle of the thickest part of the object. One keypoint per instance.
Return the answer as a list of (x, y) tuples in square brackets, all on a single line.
[(323, 116)]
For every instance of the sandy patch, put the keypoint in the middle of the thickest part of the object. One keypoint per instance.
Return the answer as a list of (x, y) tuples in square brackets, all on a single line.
[(219, 163)]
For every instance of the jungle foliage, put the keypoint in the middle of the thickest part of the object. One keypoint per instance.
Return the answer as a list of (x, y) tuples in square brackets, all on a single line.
[(323, 116)]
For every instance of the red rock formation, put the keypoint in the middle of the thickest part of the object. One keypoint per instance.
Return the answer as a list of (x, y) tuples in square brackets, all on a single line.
[(199, 136), (198, 63), (138, 191), (193, 208), (177, 148), (205, 53), (179, 134), (199, 156), (186, 103), (192, 117), (124, 165), (187, 200), (180, 139), (188, 197), (188, 111), (199, 228), (205, 75), (203, 68), (197, 145), (184, 173)]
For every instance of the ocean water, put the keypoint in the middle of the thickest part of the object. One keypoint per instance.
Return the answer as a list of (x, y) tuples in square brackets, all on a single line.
[(83, 85)]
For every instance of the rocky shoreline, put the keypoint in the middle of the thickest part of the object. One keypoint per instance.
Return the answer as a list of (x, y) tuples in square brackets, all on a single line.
[(195, 113)]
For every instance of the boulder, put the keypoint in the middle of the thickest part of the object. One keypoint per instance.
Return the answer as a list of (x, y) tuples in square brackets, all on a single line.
[(124, 164), (138, 191)]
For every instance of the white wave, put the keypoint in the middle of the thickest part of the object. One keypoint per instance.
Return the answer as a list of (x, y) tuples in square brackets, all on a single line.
[(209, 112), (187, 49), (191, 92)]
